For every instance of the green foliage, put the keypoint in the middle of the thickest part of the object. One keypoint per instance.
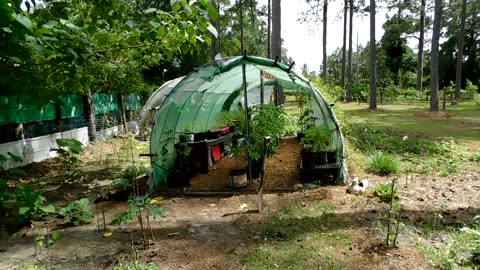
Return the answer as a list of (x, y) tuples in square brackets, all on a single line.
[(82, 46), (385, 193), (307, 120), (68, 151), (318, 138), (424, 155), (460, 250), (7, 199), (30, 205), (383, 164), (471, 90), (136, 266), (77, 212), (266, 120), (134, 171), (135, 205)]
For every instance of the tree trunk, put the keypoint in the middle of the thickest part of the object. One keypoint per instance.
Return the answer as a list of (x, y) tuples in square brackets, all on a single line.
[(276, 49), (358, 61), (89, 116), (325, 7), (214, 47), (344, 48), (350, 48), (269, 27), (461, 39), (242, 44), (122, 112), (434, 57), (373, 59), (421, 41)]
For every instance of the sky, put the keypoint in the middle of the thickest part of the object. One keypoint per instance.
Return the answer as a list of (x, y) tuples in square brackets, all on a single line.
[(305, 45)]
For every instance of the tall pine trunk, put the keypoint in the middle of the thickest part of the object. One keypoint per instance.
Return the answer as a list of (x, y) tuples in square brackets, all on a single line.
[(434, 57), (325, 7), (344, 48), (277, 44), (350, 52), (461, 39), (242, 44), (276, 41), (373, 59), (421, 41), (269, 27)]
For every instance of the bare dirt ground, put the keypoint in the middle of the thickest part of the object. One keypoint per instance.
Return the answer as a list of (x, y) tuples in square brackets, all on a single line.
[(200, 232)]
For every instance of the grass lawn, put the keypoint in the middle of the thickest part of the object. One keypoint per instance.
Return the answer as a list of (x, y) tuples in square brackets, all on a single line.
[(461, 121)]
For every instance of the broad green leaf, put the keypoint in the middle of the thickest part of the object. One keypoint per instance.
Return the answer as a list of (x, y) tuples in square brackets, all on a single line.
[(23, 210), (155, 24), (70, 50), (15, 157), (56, 236), (23, 20), (176, 7), (212, 30), (149, 10), (130, 24), (8, 204), (3, 158), (48, 209), (7, 29), (63, 142), (173, 2), (212, 11), (50, 24)]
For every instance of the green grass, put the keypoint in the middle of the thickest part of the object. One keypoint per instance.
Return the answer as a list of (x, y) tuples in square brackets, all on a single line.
[(383, 164), (464, 117), (300, 237), (461, 250)]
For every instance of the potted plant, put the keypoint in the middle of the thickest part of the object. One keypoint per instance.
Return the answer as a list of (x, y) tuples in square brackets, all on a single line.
[(316, 142), (267, 120)]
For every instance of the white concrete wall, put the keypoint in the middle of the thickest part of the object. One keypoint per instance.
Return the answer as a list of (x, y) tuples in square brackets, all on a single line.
[(38, 149)]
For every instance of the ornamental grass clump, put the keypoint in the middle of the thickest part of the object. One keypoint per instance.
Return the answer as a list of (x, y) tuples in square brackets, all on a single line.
[(383, 164)]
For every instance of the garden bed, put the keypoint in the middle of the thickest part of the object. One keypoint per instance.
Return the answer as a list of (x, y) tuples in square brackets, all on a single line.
[(282, 171)]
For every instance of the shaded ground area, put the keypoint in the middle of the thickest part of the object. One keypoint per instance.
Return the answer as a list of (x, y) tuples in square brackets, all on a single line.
[(301, 228), (281, 174)]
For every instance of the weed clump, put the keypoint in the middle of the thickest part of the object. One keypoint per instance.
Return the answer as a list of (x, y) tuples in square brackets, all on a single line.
[(383, 164)]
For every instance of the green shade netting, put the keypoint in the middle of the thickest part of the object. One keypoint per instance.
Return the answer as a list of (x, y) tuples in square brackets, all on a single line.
[(197, 99)]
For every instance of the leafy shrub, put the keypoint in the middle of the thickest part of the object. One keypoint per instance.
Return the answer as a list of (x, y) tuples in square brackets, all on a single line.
[(384, 192), (134, 207), (383, 164), (470, 90), (360, 92), (318, 137), (461, 250), (77, 212), (30, 205)]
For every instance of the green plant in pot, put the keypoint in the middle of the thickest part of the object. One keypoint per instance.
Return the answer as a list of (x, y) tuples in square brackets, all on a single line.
[(266, 120), (316, 144)]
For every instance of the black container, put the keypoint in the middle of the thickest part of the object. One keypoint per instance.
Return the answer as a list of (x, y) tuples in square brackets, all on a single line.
[(200, 136), (331, 156), (309, 159)]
